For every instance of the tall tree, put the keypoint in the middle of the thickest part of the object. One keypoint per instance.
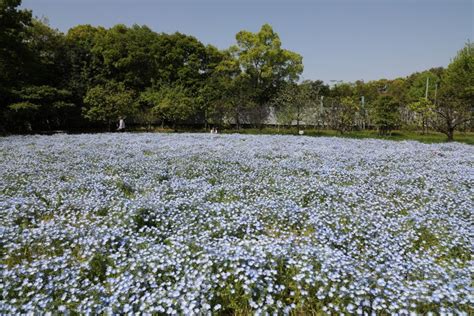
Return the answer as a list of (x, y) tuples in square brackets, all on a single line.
[(230, 94), (456, 104), (42, 100), (266, 65), (170, 103), (345, 110), (127, 55), (107, 103), (14, 27), (41, 107), (86, 68), (14, 53), (386, 114), (211, 106), (293, 103)]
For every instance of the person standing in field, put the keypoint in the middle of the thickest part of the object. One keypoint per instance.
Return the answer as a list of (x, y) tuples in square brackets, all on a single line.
[(121, 127)]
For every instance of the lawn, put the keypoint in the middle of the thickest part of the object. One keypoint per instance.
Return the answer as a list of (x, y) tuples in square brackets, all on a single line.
[(234, 224), (429, 137)]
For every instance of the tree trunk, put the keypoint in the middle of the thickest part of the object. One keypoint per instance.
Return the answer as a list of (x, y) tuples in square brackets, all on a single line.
[(449, 128), (238, 121), (450, 134)]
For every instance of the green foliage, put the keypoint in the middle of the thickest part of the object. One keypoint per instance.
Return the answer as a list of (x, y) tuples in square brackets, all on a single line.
[(45, 96), (49, 63), (14, 54), (169, 103), (85, 67), (126, 189), (144, 218), (419, 83), (424, 110), (126, 55), (457, 92), (91, 76), (344, 112), (458, 80), (183, 61), (342, 90), (97, 269), (13, 33), (41, 107), (386, 114), (396, 135), (109, 102), (262, 58), (293, 102), (422, 105), (230, 92), (24, 106), (265, 64)]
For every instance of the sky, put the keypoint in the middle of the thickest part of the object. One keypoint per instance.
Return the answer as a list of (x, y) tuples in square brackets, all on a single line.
[(339, 39)]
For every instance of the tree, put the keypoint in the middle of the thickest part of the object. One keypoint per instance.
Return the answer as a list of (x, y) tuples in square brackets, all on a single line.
[(230, 94), (14, 25), (317, 88), (293, 102), (49, 64), (423, 108), (420, 96), (266, 65), (41, 107), (342, 90), (107, 103), (86, 68), (386, 114), (211, 106), (315, 112), (127, 55), (169, 103), (423, 85), (40, 98), (181, 60), (345, 111), (287, 108), (455, 106), (14, 53)]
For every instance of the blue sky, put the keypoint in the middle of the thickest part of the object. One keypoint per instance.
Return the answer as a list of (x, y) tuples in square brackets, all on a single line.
[(338, 39)]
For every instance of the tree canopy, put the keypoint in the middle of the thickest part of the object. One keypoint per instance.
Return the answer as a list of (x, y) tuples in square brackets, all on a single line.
[(93, 75)]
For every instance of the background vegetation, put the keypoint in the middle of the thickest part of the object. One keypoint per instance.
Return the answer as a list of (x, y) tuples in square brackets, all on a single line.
[(89, 77)]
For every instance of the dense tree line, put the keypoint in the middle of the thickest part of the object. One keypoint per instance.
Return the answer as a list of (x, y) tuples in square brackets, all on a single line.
[(91, 76)]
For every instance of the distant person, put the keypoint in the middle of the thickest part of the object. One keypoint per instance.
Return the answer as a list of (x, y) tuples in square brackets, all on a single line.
[(121, 126)]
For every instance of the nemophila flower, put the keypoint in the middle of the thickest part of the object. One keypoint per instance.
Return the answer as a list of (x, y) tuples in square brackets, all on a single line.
[(381, 282), (260, 222)]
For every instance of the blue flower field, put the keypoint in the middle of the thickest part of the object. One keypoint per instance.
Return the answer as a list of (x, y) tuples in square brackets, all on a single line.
[(199, 224)]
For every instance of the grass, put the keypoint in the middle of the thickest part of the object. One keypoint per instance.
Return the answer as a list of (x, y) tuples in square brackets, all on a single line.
[(397, 135)]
